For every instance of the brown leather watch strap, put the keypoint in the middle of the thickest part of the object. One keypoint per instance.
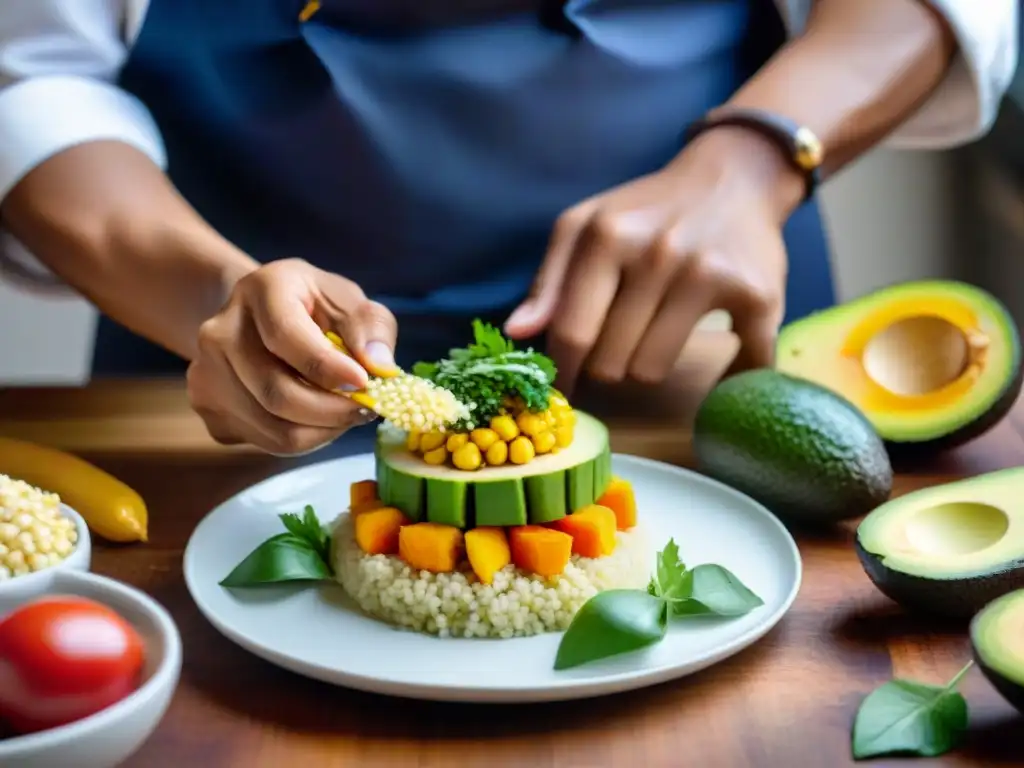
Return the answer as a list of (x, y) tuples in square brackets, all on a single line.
[(799, 144)]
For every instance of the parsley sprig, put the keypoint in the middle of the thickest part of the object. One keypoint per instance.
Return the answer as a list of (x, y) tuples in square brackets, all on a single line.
[(491, 371)]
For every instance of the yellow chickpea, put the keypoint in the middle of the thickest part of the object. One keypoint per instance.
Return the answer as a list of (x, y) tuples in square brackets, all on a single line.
[(437, 456), (563, 436), (456, 440), (467, 457), (497, 454), (484, 437), (530, 424), (432, 440), (520, 450), (505, 427), (543, 442), (412, 442)]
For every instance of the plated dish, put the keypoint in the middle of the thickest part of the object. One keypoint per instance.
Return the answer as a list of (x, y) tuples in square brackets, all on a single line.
[(512, 524)]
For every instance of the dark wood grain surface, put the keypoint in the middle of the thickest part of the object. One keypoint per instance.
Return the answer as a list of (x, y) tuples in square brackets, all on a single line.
[(787, 702)]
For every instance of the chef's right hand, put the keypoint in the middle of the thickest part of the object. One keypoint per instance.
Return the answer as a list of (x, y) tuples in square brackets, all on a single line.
[(265, 373)]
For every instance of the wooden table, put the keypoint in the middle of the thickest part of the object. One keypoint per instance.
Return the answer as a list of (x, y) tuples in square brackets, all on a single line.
[(787, 702)]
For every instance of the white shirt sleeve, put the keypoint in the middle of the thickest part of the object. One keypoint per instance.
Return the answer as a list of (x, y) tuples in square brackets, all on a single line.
[(966, 103), (59, 62)]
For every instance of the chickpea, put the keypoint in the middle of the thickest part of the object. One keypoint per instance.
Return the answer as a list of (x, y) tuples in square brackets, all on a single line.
[(563, 436), (497, 454), (412, 442), (432, 440), (467, 457), (456, 440), (505, 427), (530, 424), (484, 437), (437, 456), (543, 442), (520, 451)]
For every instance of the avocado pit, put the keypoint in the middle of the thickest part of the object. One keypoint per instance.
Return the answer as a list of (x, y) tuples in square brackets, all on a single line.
[(919, 355)]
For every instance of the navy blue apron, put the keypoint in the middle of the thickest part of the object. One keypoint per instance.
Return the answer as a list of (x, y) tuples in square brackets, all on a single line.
[(424, 149)]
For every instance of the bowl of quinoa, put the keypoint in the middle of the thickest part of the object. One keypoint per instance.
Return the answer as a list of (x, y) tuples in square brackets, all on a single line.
[(39, 535)]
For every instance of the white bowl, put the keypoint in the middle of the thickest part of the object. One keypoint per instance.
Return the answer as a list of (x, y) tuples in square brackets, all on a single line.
[(109, 737), (14, 592)]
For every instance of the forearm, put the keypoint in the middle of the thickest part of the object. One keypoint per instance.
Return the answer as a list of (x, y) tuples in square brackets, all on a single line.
[(104, 218), (861, 68)]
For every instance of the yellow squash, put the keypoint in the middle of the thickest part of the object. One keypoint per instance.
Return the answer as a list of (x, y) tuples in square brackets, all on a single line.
[(110, 508)]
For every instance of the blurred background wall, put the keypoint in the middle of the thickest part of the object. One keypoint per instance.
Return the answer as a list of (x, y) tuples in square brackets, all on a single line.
[(892, 216)]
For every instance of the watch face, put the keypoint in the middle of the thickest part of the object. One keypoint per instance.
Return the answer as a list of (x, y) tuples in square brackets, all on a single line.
[(807, 149)]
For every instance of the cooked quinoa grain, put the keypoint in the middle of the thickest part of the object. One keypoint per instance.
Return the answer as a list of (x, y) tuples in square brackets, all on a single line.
[(34, 533), (458, 605)]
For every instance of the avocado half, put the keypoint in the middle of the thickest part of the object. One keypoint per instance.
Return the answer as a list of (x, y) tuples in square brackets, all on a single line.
[(951, 549), (997, 639), (931, 364)]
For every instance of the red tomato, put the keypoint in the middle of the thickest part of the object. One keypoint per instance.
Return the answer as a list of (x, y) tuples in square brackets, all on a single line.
[(62, 659)]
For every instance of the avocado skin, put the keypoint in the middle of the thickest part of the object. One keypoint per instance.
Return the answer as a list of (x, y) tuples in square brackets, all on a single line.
[(1013, 693), (800, 449), (949, 598)]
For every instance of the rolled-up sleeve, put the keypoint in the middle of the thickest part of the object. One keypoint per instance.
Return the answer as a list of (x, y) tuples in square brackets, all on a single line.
[(59, 65), (966, 103), (59, 61)]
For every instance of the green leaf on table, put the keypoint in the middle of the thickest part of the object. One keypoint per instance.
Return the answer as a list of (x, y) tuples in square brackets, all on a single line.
[(281, 558), (712, 590), (904, 717), (669, 579), (612, 622)]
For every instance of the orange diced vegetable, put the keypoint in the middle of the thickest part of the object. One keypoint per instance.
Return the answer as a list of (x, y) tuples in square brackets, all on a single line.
[(592, 529), (619, 498), (361, 492), (430, 546), (488, 552), (543, 551), (377, 530), (365, 506)]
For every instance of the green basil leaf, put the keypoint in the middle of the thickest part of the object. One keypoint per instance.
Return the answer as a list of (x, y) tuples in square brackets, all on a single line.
[(294, 524), (903, 717), (612, 622), (669, 574), (711, 589), (284, 557)]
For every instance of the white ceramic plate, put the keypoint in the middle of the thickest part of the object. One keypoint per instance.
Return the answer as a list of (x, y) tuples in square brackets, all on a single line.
[(317, 633)]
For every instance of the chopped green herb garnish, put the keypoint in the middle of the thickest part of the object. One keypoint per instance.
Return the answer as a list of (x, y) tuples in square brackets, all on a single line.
[(489, 372)]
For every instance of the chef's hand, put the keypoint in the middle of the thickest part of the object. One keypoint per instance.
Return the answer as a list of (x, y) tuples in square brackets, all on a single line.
[(265, 372), (630, 272)]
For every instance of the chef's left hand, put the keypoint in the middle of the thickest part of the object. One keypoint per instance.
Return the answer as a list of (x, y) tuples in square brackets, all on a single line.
[(630, 272)]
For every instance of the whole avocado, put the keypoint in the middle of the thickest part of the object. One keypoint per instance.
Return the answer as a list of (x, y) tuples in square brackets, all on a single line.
[(801, 450)]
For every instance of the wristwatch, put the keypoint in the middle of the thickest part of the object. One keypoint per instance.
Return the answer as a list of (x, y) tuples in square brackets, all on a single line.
[(800, 145)]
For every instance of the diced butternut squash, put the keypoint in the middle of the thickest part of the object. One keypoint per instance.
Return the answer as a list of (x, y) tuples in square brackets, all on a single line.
[(365, 506), (488, 552), (539, 550), (377, 530), (592, 529), (619, 498), (361, 492), (430, 546)]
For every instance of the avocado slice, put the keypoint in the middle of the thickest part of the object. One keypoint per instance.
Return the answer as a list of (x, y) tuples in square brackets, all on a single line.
[(798, 448), (997, 640), (539, 491), (951, 549), (931, 364)]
